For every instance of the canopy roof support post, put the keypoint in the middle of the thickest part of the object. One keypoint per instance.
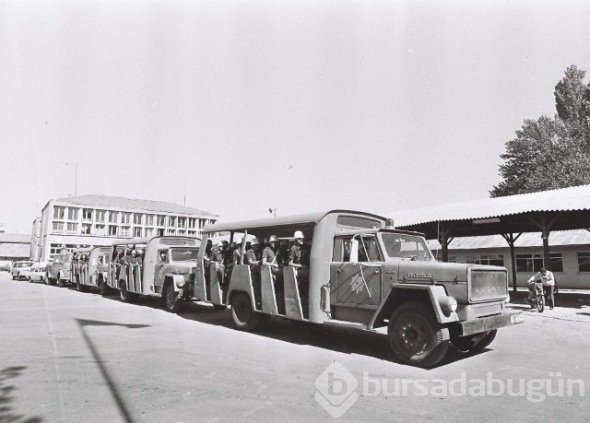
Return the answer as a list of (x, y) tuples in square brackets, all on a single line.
[(511, 240), (445, 238), (545, 226)]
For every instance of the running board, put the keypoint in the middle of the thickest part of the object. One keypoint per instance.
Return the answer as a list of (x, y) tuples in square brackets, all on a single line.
[(345, 324)]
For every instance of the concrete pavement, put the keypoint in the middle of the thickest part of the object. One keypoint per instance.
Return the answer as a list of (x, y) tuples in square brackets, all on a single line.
[(67, 356)]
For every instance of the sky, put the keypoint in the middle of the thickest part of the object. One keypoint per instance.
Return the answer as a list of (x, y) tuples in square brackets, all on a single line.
[(295, 105)]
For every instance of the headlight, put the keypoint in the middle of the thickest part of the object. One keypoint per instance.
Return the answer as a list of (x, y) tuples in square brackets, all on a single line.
[(180, 283), (448, 304)]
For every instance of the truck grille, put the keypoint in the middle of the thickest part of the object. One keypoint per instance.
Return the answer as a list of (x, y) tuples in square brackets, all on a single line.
[(487, 285)]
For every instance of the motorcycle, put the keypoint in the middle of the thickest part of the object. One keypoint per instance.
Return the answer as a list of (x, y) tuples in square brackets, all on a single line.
[(538, 300)]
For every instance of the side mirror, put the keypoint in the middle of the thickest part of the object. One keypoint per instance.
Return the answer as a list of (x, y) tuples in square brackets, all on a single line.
[(354, 251)]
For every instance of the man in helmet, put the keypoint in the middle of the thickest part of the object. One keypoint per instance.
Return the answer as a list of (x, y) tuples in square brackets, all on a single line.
[(297, 259), (252, 259), (269, 255)]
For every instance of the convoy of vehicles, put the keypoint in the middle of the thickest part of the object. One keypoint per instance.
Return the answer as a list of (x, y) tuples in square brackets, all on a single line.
[(357, 270), (21, 269)]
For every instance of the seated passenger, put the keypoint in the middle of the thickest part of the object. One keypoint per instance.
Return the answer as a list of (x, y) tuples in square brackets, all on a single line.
[(298, 259), (269, 255)]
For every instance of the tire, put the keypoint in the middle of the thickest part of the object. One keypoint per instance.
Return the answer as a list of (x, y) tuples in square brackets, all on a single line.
[(102, 286), (170, 298), (475, 342), (244, 317), (413, 336), (124, 294), (540, 303)]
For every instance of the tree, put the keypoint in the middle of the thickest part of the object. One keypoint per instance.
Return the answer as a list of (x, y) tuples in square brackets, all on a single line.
[(550, 153)]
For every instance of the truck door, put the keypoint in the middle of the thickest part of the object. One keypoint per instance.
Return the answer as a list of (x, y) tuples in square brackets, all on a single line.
[(356, 282)]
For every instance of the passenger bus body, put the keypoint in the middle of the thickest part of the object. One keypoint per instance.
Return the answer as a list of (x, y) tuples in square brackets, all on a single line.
[(161, 268), (365, 275), (80, 267), (60, 269)]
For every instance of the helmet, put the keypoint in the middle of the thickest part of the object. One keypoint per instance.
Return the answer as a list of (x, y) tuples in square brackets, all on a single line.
[(273, 238), (254, 241), (298, 235)]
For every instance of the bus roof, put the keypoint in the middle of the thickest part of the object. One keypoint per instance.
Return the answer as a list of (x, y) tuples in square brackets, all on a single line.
[(134, 241), (282, 221)]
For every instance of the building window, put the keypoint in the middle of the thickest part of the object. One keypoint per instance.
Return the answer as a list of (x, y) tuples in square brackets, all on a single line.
[(181, 232), (72, 227), (86, 228), (182, 222), (125, 231), (137, 232), (192, 233), (58, 227), (113, 217), (87, 215), (170, 231), (99, 230), (161, 220), (113, 230), (490, 260), (73, 213), (125, 217), (160, 232), (59, 212), (171, 220), (584, 262), (148, 232), (99, 215), (556, 262), (533, 262), (192, 222), (137, 218), (149, 220)]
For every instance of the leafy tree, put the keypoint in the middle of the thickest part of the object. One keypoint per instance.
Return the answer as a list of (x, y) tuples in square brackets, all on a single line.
[(550, 153)]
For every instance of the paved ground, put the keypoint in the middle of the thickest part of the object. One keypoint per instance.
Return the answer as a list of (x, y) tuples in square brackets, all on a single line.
[(67, 356)]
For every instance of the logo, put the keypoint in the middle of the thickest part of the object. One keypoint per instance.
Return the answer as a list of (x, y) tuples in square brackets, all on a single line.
[(336, 390), (356, 283)]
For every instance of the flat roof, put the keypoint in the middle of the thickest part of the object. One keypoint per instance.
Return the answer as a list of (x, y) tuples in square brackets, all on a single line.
[(114, 202)]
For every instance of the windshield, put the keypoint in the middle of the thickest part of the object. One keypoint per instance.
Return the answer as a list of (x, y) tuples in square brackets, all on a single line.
[(183, 254), (403, 246)]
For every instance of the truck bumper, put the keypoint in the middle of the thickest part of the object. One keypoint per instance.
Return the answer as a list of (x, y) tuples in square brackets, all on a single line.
[(484, 324)]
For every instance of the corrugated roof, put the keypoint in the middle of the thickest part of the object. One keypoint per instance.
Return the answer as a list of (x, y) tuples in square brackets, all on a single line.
[(564, 199), (15, 238), (107, 201), (527, 239)]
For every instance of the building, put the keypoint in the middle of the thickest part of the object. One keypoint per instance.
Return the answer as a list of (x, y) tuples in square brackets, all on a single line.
[(36, 239), (95, 220), (569, 256), (14, 247)]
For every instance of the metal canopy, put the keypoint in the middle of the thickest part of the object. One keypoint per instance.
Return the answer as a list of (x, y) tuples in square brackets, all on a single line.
[(510, 216)]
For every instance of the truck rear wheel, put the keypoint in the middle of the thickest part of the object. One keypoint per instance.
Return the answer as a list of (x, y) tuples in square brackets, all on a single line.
[(413, 334), (170, 298), (124, 294), (244, 317), (475, 342)]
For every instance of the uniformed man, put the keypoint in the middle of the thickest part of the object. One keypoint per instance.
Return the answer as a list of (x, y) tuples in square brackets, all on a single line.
[(269, 255)]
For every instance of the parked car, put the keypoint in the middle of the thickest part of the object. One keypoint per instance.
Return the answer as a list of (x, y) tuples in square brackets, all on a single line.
[(21, 269), (38, 272), (5, 266)]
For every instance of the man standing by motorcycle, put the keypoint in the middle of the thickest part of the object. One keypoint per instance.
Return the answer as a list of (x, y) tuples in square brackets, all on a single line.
[(548, 280)]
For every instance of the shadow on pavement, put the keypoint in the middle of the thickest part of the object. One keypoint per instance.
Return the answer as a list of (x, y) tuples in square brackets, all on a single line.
[(340, 339), (7, 414)]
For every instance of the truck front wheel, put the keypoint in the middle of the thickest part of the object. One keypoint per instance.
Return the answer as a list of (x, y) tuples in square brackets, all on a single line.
[(170, 297), (413, 334)]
